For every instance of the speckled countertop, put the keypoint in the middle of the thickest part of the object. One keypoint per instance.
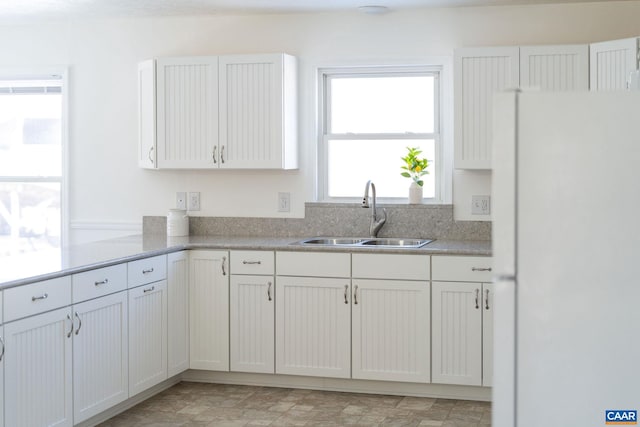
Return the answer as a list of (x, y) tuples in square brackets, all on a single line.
[(18, 270)]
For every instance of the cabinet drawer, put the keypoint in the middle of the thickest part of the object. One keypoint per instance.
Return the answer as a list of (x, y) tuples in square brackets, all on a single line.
[(462, 268), (147, 270), (98, 282), (314, 264), (252, 262), (35, 298), (390, 266)]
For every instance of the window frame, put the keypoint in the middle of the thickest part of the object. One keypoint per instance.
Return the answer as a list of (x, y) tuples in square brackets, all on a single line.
[(443, 151), (47, 73)]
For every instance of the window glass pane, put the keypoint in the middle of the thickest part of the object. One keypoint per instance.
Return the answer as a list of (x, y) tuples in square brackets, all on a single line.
[(352, 163), (30, 134), (382, 104), (29, 217)]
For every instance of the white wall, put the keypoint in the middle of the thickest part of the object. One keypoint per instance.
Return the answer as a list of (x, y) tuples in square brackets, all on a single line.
[(107, 187)]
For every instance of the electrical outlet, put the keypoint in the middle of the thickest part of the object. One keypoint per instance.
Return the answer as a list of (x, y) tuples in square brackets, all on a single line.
[(194, 201), (480, 205), (181, 200), (284, 202)]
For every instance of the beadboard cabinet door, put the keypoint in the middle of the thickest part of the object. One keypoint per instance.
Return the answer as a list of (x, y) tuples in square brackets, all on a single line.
[(611, 63), (38, 378), (178, 312), (209, 310), (147, 336), (100, 355), (187, 112), (252, 317), (457, 333), (258, 112), (313, 325), (478, 74), (558, 68), (391, 330)]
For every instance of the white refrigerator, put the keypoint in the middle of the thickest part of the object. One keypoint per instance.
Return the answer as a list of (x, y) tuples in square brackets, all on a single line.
[(566, 241)]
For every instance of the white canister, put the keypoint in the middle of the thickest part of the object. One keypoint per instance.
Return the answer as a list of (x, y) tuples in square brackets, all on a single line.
[(177, 223)]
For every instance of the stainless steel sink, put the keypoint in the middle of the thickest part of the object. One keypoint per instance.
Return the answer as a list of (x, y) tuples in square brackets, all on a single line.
[(380, 242)]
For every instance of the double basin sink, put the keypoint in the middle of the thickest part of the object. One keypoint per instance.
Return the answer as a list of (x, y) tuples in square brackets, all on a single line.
[(380, 242)]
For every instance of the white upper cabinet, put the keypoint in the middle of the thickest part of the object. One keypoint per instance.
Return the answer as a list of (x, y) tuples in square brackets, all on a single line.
[(478, 74), (611, 63), (258, 126), (555, 68), (213, 112)]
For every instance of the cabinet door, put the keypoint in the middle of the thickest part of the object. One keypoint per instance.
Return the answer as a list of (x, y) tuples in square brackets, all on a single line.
[(178, 320), (555, 68), (100, 355), (38, 370), (457, 333), (487, 334), (187, 112), (209, 310), (252, 314), (611, 62), (478, 74), (147, 336), (391, 330), (313, 324), (147, 114), (258, 111)]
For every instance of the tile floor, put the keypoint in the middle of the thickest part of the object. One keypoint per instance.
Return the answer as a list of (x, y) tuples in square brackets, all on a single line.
[(198, 404)]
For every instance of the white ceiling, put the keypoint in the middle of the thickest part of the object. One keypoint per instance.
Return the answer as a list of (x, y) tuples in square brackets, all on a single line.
[(20, 10)]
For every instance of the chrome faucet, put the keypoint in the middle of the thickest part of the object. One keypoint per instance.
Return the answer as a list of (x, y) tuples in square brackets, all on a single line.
[(376, 224)]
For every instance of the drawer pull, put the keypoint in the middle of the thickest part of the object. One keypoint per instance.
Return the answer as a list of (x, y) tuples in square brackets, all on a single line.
[(269, 292), (252, 262), (101, 282), (144, 291), (147, 271), (79, 323), (70, 330), (43, 296), (477, 295), (480, 268)]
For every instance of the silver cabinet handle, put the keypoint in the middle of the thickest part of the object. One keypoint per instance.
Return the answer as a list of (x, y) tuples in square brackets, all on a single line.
[(79, 323), (153, 288), (70, 330), (224, 262), (151, 158), (486, 299), (355, 295), (222, 154), (214, 155), (477, 295), (102, 282), (480, 268), (147, 271), (43, 296), (251, 262), (269, 291), (346, 289), (2, 354)]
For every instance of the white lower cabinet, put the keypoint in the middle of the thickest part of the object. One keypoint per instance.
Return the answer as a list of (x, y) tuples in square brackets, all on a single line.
[(147, 336), (252, 324), (178, 312), (100, 355), (390, 330), (38, 380), (209, 310), (313, 326)]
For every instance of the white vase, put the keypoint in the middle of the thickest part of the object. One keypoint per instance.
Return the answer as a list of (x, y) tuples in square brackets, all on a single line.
[(415, 193)]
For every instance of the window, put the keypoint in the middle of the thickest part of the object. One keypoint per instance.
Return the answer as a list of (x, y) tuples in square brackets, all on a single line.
[(369, 117), (31, 163)]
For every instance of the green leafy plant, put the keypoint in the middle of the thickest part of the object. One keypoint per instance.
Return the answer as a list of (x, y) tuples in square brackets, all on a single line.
[(414, 167)]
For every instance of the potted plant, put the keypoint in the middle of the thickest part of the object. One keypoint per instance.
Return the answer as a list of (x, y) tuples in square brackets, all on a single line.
[(414, 167)]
